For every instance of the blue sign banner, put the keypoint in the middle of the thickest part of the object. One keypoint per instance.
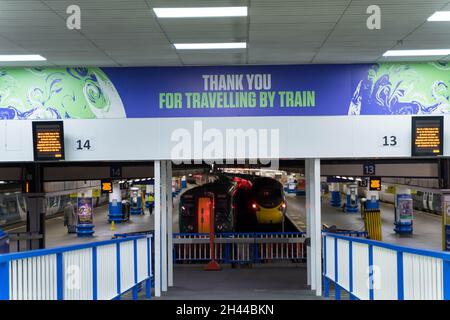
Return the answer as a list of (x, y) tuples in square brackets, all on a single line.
[(232, 91)]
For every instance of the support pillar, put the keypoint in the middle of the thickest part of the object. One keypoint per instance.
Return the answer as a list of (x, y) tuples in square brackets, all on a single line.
[(164, 195), (372, 199), (308, 224), (169, 225), (335, 195), (115, 204), (314, 212), (33, 187), (157, 227)]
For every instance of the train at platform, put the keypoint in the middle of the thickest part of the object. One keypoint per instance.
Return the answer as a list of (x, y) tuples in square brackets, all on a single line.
[(238, 203), (268, 201)]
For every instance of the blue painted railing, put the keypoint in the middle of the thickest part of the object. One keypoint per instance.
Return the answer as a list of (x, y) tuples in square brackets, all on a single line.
[(373, 270), (93, 271)]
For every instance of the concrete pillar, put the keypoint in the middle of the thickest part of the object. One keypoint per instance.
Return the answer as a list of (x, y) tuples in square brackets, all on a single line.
[(157, 227), (314, 212), (335, 195), (372, 199), (308, 222), (164, 193), (115, 204), (169, 225)]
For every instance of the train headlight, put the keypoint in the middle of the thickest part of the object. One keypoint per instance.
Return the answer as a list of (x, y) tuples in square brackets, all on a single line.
[(190, 227), (255, 207)]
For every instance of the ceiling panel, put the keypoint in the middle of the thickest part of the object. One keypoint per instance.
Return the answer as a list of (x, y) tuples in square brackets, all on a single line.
[(127, 33)]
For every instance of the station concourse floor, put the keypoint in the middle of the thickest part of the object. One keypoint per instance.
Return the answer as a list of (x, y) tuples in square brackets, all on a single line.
[(260, 282), (427, 228)]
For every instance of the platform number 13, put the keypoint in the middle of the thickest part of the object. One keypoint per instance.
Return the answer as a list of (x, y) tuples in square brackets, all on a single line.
[(389, 141), (84, 144)]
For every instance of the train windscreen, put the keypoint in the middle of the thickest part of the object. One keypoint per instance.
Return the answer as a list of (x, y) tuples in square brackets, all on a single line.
[(268, 194), (223, 217), (187, 214)]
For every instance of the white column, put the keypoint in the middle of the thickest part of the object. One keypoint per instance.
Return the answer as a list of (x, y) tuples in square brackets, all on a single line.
[(157, 227), (316, 230), (308, 220), (314, 223), (116, 194), (164, 226), (310, 205), (169, 225)]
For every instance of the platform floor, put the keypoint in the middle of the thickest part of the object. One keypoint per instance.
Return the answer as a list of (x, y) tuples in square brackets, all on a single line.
[(426, 226), (57, 235), (261, 282)]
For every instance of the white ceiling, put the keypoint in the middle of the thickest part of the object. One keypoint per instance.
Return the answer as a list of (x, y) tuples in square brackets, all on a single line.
[(127, 33)]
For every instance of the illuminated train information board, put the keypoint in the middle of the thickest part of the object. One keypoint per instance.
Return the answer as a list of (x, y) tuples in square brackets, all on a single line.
[(427, 138), (48, 140)]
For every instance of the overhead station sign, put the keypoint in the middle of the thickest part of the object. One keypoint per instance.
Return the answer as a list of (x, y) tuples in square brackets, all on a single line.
[(48, 140), (427, 136)]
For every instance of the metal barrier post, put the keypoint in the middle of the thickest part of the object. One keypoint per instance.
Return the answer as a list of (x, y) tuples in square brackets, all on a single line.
[(135, 288), (371, 292), (94, 273), (227, 252), (400, 288), (4, 279), (59, 277), (446, 280), (326, 287), (337, 288), (118, 270)]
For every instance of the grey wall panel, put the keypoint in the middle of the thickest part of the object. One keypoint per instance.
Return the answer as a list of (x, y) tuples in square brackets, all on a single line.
[(154, 139)]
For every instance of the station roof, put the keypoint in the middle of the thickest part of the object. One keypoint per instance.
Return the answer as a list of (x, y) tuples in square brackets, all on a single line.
[(127, 33)]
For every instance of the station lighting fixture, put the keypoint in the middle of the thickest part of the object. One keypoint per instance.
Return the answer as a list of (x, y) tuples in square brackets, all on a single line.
[(201, 12), (20, 57), (213, 45), (440, 16), (416, 53)]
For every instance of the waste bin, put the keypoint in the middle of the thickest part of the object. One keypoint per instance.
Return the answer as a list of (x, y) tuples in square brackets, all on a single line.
[(4, 242)]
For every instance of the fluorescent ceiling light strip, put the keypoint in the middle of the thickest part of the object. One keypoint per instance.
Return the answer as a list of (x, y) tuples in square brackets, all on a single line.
[(202, 12), (200, 46), (21, 57), (440, 16), (412, 53)]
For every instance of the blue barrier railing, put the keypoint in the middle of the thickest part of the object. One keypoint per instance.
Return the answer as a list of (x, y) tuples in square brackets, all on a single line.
[(373, 270), (92, 271)]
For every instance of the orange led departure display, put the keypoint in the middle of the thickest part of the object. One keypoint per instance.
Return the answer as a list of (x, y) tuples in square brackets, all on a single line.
[(48, 140), (107, 186), (427, 136), (375, 184)]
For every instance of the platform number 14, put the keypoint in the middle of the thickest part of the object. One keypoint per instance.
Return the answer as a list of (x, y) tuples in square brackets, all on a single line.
[(84, 144), (389, 141)]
